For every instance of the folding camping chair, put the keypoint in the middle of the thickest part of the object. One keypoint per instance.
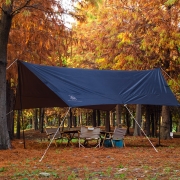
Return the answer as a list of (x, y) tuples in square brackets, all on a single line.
[(118, 134), (89, 134), (53, 132)]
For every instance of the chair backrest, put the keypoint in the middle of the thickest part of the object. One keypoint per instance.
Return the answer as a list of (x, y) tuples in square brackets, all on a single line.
[(50, 131), (119, 133), (90, 132)]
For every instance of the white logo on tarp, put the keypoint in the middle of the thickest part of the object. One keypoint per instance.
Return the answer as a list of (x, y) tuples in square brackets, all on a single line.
[(73, 98)]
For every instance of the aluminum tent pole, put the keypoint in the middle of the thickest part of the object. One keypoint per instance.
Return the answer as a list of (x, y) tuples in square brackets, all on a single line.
[(54, 135), (20, 93), (141, 128)]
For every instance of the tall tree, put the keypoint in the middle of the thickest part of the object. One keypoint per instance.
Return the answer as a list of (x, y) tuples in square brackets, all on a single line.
[(5, 25), (41, 39), (130, 34)]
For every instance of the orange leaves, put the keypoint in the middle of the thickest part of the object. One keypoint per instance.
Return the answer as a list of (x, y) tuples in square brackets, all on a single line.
[(47, 44), (124, 37), (103, 63), (128, 35), (38, 34)]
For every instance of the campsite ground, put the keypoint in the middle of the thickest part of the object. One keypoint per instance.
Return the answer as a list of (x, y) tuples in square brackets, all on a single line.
[(138, 160)]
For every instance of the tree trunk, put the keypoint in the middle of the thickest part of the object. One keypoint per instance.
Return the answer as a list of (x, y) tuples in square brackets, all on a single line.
[(111, 118), (152, 124), (35, 119), (94, 118), (18, 130), (74, 121), (165, 125), (31, 122), (9, 106), (107, 122), (118, 115), (5, 25), (157, 119), (147, 116), (170, 125), (128, 123), (79, 117), (86, 119), (137, 130), (114, 119), (41, 119), (59, 119), (70, 119), (98, 118)]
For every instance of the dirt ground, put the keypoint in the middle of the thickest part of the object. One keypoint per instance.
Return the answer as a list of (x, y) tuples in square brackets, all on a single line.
[(137, 161)]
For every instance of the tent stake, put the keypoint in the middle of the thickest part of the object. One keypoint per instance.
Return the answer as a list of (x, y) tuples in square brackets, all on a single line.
[(141, 128), (54, 135)]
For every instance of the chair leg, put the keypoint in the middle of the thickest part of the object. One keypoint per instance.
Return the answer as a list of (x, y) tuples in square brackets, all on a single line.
[(124, 144), (98, 143), (80, 145), (103, 142), (55, 143), (112, 142)]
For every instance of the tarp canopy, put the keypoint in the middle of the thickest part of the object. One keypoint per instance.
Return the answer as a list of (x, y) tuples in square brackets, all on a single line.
[(50, 86)]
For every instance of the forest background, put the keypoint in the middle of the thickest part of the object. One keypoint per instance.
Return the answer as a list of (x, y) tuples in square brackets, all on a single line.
[(108, 34)]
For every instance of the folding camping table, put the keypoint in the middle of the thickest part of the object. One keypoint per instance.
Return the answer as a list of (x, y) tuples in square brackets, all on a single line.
[(70, 134)]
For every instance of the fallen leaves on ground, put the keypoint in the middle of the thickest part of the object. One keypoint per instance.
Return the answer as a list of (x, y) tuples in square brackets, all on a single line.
[(138, 160)]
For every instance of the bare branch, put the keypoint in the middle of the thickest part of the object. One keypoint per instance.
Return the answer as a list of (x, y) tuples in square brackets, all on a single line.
[(16, 11)]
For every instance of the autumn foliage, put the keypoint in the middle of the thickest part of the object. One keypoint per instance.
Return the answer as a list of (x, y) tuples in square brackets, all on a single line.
[(131, 35), (38, 33)]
